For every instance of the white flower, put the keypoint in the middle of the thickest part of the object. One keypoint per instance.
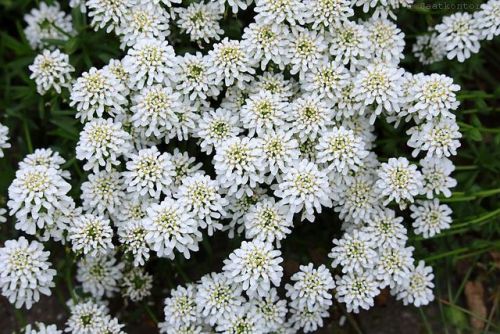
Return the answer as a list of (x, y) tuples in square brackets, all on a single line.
[(386, 229), (304, 188), (180, 309), (148, 62), (201, 21), (488, 19), (170, 227), (91, 234), (394, 265), (386, 40), (149, 173), (266, 43), (96, 92), (37, 194), (131, 209), (280, 151), (341, 150), (355, 252), (217, 126), (58, 230), (278, 11), (4, 138), (238, 162), (255, 266), (430, 217), (101, 143), (439, 137), (45, 23), (188, 120), (137, 284), (132, 235), (103, 192), (306, 49), (307, 319), (41, 328), (263, 112), (231, 63), (379, 86), (234, 98), (51, 69), (274, 83), (100, 275), (356, 290), (399, 180), (328, 79), (164, 327), (434, 95), (428, 49), (236, 4), (349, 43), (25, 272), (45, 157), (241, 321), (239, 206), (437, 178), (309, 116), (167, 3), (200, 195), (418, 288), (327, 13), (154, 110), (459, 34), (106, 13), (196, 76), (310, 288), (183, 166), (217, 298), (268, 221), (269, 311), (357, 199), (91, 317), (86, 317), (116, 68), (142, 22)]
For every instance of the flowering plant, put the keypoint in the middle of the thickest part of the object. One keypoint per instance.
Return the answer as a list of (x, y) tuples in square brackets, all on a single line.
[(196, 149)]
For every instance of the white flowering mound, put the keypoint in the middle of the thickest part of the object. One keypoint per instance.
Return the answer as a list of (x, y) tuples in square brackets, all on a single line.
[(247, 137)]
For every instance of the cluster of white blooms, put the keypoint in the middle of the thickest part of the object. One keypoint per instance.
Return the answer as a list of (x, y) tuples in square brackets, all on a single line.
[(25, 273), (41, 328), (51, 69), (282, 122), (90, 317), (458, 36)]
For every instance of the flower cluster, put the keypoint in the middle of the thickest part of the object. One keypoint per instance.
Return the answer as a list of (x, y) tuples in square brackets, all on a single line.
[(458, 36), (246, 137)]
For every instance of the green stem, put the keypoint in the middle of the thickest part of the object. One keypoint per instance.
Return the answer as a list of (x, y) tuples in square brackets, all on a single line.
[(425, 321), (482, 129), (467, 312), (150, 313), (464, 197), (473, 250), (28, 137), (20, 318), (472, 95), (465, 168)]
